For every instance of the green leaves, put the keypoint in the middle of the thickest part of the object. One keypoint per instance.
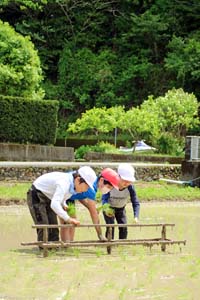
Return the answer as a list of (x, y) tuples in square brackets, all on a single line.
[(107, 209), (183, 58), (97, 120), (166, 118), (20, 71), (86, 77)]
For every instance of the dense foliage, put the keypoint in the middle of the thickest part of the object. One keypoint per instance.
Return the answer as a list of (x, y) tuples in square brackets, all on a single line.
[(102, 53), (163, 121), (20, 71), (26, 120)]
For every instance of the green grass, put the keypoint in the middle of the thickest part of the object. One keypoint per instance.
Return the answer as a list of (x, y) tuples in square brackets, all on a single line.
[(146, 191), (11, 190), (161, 191), (165, 191)]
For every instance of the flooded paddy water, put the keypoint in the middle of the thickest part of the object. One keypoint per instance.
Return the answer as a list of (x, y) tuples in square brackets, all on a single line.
[(130, 272)]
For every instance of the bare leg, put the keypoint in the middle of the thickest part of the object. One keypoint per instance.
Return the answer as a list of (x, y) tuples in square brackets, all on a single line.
[(66, 234)]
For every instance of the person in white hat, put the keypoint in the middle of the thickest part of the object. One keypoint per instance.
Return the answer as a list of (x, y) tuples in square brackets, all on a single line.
[(119, 198), (48, 194)]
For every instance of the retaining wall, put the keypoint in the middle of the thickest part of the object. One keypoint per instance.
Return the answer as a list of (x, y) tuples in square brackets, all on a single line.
[(98, 156), (30, 152), (143, 172)]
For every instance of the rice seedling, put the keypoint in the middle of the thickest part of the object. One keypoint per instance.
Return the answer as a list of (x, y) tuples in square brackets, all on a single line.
[(122, 293), (76, 252), (71, 209), (99, 252), (107, 209), (128, 273)]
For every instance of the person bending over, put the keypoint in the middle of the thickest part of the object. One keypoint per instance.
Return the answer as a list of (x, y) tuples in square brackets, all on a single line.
[(106, 181), (118, 198), (47, 196)]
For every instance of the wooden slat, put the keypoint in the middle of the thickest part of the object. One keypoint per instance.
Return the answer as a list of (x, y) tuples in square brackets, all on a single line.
[(162, 240), (105, 244), (102, 225), (99, 243)]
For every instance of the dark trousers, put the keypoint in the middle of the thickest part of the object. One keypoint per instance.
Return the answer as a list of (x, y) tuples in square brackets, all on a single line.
[(41, 212), (120, 216)]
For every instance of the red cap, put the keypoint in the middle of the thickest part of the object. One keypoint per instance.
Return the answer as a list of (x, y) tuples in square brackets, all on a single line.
[(111, 176)]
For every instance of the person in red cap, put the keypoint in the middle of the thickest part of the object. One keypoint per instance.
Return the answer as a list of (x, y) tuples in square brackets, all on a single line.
[(105, 182), (118, 198)]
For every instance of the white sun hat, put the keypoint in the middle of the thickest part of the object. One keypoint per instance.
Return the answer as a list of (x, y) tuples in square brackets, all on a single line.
[(126, 172), (88, 174)]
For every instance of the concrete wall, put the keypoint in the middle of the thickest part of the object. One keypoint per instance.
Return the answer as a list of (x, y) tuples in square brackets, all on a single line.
[(98, 156), (17, 152)]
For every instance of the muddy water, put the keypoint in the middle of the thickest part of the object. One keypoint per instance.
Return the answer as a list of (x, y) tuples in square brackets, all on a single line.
[(129, 273), (16, 222)]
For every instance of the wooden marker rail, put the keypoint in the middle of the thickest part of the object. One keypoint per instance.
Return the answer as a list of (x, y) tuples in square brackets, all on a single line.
[(162, 240)]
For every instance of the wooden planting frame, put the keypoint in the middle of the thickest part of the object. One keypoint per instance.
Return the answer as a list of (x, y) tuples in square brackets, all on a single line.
[(163, 241)]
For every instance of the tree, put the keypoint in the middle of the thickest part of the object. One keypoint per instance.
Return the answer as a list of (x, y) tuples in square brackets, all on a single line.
[(110, 52), (86, 78), (97, 120), (94, 120), (20, 71), (176, 113), (183, 62), (140, 124), (24, 4)]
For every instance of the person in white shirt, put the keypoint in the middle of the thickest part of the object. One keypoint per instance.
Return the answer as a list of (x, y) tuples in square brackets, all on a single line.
[(48, 194)]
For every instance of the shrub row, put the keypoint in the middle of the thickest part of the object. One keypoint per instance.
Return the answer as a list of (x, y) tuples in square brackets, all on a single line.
[(28, 121)]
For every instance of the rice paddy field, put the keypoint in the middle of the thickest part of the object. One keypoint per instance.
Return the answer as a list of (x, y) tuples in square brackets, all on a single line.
[(130, 272)]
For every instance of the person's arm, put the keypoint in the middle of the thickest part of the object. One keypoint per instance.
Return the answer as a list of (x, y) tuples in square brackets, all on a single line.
[(91, 206), (56, 206), (135, 202)]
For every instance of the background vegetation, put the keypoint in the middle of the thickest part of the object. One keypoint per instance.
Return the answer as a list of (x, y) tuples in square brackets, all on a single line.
[(116, 53), (20, 70), (163, 121), (26, 120)]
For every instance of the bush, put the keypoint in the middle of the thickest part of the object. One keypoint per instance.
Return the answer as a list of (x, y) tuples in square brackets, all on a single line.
[(103, 147), (167, 144), (81, 151), (20, 71), (28, 121)]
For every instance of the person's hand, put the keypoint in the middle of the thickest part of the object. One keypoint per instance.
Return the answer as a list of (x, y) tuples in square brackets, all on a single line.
[(65, 207), (73, 221), (102, 238), (136, 220)]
